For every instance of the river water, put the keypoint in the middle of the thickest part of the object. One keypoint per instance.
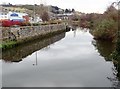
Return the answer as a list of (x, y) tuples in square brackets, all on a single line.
[(71, 59)]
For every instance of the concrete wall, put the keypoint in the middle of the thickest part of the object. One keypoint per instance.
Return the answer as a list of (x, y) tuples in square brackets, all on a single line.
[(29, 32)]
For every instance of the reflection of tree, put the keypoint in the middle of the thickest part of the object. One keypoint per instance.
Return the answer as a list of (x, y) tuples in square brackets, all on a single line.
[(106, 48), (116, 55), (114, 79)]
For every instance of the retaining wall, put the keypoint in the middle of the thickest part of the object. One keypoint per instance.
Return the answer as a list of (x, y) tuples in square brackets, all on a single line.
[(18, 53), (28, 32)]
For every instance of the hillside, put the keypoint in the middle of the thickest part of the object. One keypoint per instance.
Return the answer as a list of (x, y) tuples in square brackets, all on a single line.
[(31, 8)]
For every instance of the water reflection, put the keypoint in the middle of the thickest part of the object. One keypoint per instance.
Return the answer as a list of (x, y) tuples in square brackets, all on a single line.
[(0, 69), (70, 62), (116, 58), (0, 74), (18, 53), (106, 49)]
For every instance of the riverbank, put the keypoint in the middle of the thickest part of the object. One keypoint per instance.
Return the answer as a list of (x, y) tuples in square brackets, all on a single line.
[(14, 36), (103, 26), (74, 55), (31, 47)]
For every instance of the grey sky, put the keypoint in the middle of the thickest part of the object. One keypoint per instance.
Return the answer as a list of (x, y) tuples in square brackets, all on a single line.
[(80, 5)]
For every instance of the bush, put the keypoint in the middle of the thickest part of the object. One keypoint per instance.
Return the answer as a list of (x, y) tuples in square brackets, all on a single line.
[(105, 29), (55, 22), (36, 24), (45, 16), (26, 24), (44, 23)]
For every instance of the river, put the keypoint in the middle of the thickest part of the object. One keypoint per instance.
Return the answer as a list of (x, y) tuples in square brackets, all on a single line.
[(70, 59)]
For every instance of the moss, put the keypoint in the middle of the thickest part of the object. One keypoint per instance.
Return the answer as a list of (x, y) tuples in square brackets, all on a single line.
[(11, 44), (7, 45)]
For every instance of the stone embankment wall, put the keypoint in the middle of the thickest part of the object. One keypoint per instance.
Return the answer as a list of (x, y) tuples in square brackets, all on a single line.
[(21, 34), (18, 53)]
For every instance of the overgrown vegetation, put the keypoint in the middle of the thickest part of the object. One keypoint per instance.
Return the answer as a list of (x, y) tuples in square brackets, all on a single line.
[(116, 55), (7, 45), (105, 29), (104, 26), (45, 16)]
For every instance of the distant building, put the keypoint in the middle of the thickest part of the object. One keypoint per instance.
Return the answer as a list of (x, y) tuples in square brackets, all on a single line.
[(14, 9), (13, 18), (64, 16), (3, 16)]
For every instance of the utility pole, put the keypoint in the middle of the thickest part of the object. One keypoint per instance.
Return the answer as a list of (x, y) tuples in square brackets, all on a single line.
[(34, 12)]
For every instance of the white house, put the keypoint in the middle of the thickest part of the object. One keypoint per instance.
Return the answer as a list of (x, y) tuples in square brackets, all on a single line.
[(12, 16), (3, 16)]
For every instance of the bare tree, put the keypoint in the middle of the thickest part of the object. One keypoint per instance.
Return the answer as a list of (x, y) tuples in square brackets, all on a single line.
[(45, 16)]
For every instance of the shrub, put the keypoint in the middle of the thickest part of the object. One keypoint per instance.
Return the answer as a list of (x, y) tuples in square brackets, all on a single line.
[(36, 24), (25, 24), (105, 29), (45, 16)]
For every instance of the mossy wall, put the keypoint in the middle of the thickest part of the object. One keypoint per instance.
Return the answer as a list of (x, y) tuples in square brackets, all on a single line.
[(24, 34)]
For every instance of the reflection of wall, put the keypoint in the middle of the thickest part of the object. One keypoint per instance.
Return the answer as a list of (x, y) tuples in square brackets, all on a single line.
[(16, 54)]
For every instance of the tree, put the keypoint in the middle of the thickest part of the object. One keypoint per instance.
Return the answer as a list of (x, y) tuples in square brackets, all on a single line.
[(45, 16), (73, 10), (66, 11)]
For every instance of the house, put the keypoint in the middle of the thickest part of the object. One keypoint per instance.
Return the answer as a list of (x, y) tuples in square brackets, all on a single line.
[(13, 18)]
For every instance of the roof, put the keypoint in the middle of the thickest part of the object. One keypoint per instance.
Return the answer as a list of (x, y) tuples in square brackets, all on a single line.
[(14, 14)]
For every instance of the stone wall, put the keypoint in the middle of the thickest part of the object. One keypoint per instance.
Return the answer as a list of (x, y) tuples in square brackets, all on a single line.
[(16, 54), (29, 32)]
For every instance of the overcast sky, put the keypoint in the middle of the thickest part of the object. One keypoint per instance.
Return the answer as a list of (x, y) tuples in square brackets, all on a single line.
[(86, 6)]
